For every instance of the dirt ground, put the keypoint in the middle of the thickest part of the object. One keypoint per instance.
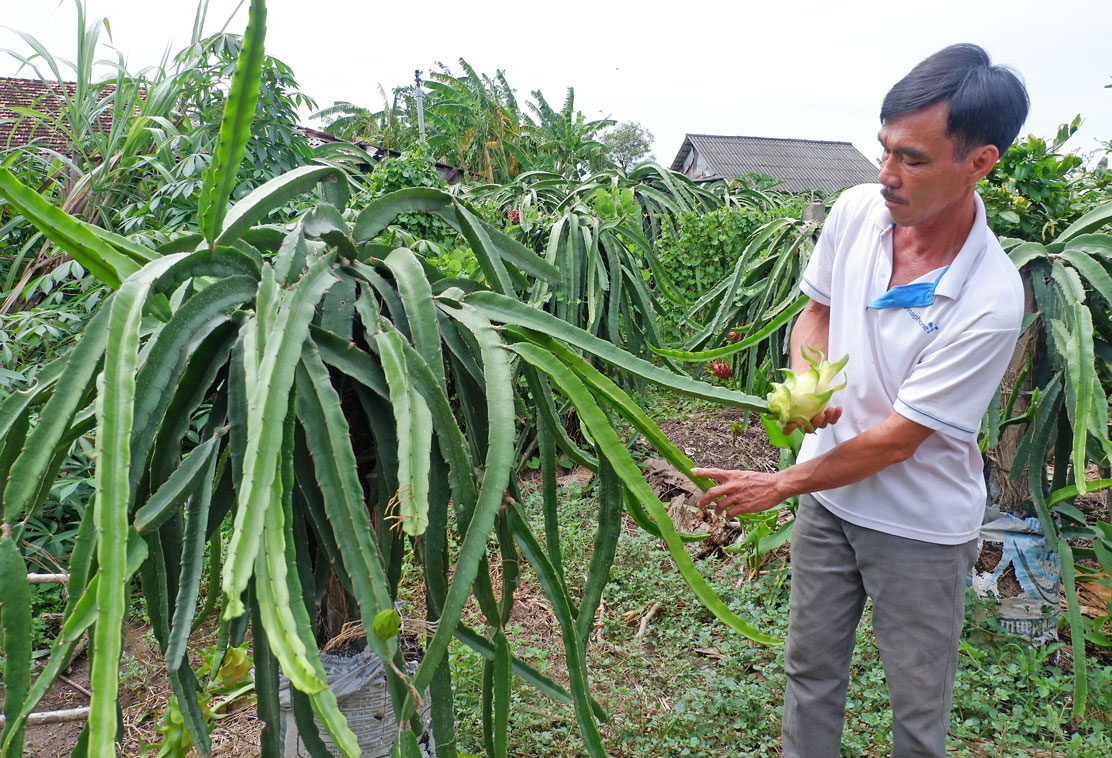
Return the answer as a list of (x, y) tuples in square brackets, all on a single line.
[(144, 692), (720, 438)]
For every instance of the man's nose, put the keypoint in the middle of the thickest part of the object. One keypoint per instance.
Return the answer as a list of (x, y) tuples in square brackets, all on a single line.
[(888, 175)]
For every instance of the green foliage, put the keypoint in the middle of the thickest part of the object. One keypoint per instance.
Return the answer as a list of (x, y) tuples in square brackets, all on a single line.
[(563, 141), (227, 679), (411, 169), (615, 204), (197, 87), (1057, 431), (318, 386), (684, 688), (141, 145), (605, 234), (419, 231), (455, 261), (474, 122), (104, 120), (710, 243), (1027, 698), (45, 599), (206, 68), (750, 305), (48, 538), (389, 128), (1035, 190), (65, 298)]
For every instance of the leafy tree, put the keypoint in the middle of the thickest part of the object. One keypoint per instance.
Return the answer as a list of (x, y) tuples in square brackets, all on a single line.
[(1036, 190), (206, 67), (628, 144)]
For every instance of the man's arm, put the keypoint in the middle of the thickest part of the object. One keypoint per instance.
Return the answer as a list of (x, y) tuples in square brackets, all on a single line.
[(893, 440), (812, 329)]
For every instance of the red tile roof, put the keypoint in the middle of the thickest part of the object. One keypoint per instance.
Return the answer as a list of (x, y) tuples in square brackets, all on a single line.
[(17, 129)]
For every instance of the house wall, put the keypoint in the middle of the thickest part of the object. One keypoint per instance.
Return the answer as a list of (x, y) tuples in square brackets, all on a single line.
[(694, 167)]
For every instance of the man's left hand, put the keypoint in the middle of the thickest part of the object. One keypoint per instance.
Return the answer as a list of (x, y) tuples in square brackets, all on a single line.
[(740, 491), (825, 417)]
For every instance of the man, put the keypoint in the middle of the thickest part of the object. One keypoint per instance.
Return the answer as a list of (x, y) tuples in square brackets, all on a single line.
[(909, 281)]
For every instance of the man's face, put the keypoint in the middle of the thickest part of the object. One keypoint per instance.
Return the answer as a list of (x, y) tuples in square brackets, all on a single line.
[(922, 180)]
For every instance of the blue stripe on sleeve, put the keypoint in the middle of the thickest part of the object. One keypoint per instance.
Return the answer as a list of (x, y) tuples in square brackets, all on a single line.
[(936, 418), (811, 284)]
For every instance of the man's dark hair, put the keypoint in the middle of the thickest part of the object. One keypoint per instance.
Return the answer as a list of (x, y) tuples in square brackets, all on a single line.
[(987, 104)]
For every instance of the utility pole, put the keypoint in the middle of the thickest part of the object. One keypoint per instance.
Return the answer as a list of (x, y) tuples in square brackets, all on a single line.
[(420, 95)]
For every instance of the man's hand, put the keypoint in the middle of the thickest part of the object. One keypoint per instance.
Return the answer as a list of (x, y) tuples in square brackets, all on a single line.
[(740, 491), (826, 417)]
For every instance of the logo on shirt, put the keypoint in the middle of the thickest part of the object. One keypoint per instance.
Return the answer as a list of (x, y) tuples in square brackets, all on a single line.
[(926, 326)]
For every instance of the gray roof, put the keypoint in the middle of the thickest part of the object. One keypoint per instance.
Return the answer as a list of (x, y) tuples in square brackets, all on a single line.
[(799, 163)]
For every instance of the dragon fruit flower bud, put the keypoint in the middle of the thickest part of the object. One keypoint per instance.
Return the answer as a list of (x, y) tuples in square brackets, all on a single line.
[(801, 397)]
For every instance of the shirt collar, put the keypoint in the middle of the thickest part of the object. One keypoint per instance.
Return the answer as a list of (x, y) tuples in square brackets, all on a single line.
[(968, 256)]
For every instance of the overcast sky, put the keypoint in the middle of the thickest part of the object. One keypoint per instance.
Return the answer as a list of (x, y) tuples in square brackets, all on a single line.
[(805, 69)]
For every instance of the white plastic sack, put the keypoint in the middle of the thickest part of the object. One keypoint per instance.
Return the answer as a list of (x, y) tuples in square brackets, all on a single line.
[(1033, 612), (359, 683)]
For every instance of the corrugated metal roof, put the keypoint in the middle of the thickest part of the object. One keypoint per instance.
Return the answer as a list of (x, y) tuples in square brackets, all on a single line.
[(800, 164), (17, 129)]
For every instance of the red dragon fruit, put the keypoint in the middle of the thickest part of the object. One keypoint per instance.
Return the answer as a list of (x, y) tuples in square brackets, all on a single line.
[(720, 369)]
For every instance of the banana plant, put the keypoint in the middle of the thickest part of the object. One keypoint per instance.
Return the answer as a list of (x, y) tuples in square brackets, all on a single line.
[(1058, 402), (299, 411)]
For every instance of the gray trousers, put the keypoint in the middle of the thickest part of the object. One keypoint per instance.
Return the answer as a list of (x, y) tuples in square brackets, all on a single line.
[(918, 591)]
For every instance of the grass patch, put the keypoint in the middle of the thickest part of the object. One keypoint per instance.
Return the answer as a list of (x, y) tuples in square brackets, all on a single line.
[(687, 686)]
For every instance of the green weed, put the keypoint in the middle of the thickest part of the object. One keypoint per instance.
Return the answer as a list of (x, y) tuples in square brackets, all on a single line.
[(688, 687)]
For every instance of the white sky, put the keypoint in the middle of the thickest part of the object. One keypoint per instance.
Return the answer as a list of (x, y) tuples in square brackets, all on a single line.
[(803, 68)]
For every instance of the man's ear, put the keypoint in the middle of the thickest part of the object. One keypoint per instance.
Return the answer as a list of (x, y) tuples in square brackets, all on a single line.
[(981, 160)]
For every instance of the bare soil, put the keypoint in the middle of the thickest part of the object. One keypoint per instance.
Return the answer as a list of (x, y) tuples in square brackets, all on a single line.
[(722, 438), (144, 692)]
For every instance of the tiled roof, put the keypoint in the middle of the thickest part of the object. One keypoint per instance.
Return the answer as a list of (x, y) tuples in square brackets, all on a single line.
[(800, 164), (17, 129)]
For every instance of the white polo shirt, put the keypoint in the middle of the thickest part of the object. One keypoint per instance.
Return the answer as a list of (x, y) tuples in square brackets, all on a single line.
[(937, 365)]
